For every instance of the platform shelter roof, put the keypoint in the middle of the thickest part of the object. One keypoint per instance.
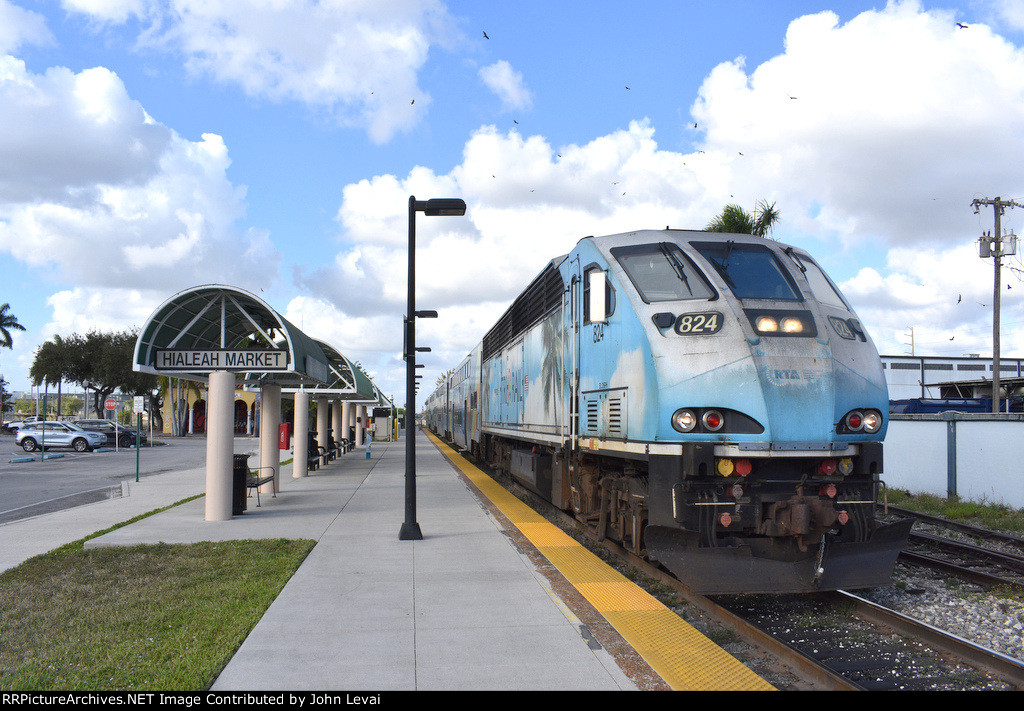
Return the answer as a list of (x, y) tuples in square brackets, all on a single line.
[(203, 327), (346, 381)]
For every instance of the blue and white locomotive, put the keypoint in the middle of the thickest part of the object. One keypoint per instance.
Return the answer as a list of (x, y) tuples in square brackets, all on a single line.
[(710, 401)]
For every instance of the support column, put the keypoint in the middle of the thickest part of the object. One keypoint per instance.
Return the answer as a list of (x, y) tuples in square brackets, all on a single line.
[(336, 420), (300, 462), (360, 424), (220, 445), (346, 418), (322, 427), (270, 420)]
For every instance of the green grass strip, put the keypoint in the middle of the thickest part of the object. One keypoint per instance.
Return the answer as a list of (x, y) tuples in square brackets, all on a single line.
[(995, 516), (147, 617)]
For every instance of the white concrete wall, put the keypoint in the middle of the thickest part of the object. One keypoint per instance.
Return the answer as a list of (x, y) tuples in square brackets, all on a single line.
[(989, 454)]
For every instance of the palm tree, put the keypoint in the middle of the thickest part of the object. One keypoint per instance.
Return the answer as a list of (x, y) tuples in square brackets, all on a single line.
[(7, 322), (735, 220), (551, 366)]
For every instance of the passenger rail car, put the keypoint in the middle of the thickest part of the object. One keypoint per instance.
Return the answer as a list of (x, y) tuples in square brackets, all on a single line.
[(709, 401)]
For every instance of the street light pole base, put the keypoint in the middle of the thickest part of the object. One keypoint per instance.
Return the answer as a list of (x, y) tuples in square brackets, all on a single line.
[(410, 532)]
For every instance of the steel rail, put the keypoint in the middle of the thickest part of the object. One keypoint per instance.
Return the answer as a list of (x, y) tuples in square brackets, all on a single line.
[(956, 525), (1003, 560), (807, 668), (974, 576), (1005, 668)]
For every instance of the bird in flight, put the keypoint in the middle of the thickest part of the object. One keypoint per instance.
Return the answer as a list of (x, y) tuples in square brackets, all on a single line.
[(961, 25), (485, 35)]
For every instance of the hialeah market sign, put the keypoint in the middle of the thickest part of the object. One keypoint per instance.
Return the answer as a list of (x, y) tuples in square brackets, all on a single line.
[(202, 361)]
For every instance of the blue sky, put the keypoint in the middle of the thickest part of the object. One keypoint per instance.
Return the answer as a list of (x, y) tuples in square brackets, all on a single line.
[(152, 146)]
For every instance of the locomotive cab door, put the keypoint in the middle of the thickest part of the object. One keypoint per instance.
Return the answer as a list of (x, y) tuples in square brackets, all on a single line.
[(575, 309)]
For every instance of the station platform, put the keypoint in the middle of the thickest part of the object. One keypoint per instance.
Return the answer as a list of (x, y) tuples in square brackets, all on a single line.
[(492, 598)]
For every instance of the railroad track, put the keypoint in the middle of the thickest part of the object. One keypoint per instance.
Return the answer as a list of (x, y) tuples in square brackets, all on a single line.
[(839, 641), (860, 646), (830, 641), (984, 566)]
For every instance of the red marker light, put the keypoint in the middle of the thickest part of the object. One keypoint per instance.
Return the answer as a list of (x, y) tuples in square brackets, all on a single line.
[(743, 467), (829, 491), (725, 519), (827, 467), (842, 517), (713, 420)]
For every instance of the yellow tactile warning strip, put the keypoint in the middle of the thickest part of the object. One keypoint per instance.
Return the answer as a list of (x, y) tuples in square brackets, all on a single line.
[(685, 659)]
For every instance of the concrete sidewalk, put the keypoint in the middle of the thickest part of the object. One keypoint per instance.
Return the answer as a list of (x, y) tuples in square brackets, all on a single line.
[(462, 609)]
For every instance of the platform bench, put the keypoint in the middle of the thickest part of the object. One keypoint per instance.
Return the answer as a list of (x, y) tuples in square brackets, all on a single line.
[(255, 481)]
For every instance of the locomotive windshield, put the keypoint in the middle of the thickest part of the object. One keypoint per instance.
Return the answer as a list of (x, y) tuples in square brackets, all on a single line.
[(821, 286), (661, 272), (750, 270)]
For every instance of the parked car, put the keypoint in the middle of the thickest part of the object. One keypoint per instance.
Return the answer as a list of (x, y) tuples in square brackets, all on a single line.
[(14, 426), (125, 436), (58, 434)]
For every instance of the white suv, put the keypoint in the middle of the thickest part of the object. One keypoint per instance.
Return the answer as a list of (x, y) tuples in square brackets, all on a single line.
[(58, 434)]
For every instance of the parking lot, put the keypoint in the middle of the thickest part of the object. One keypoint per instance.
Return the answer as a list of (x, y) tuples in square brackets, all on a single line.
[(73, 479)]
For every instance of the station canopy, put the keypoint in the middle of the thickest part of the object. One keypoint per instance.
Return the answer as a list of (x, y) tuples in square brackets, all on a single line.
[(346, 380), (219, 327)]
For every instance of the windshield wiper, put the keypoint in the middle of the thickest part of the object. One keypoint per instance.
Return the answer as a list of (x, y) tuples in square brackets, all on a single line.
[(674, 261), (796, 260), (728, 253)]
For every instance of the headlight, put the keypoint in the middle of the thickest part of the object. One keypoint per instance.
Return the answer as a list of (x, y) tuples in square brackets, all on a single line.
[(792, 325), (684, 420), (866, 421), (872, 421), (782, 322)]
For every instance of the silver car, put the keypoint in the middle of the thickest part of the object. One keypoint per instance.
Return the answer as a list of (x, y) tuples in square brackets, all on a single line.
[(58, 434)]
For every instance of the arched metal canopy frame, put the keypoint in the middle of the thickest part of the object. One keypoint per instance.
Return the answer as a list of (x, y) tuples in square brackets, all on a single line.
[(218, 316), (347, 381)]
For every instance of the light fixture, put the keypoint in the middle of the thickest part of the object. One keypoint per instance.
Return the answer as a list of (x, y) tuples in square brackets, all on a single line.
[(434, 207)]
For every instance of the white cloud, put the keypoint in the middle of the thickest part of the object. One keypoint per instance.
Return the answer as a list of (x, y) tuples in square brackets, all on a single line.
[(114, 202), (357, 60), (527, 203), (1010, 12), (107, 10), (899, 119), (890, 136), (508, 85), (64, 134), (19, 26)]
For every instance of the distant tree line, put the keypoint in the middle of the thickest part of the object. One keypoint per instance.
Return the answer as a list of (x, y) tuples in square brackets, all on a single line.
[(98, 362)]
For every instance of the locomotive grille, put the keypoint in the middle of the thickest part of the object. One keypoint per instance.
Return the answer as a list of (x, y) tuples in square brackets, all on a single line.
[(615, 418), (593, 409), (543, 295), (604, 413)]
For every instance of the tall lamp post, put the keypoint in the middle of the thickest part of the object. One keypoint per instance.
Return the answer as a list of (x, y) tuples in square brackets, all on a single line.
[(436, 207)]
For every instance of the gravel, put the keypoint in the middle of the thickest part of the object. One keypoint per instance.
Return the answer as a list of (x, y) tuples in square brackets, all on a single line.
[(960, 608)]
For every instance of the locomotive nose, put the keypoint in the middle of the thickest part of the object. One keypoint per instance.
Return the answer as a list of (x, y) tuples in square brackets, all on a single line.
[(799, 394)]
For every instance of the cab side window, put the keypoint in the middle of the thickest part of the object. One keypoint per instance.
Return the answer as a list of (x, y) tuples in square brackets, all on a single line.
[(609, 295)]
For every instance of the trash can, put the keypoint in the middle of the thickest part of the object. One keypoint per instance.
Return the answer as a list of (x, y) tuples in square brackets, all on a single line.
[(240, 472)]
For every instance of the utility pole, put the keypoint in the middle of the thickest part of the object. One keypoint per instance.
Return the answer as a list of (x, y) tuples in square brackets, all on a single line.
[(989, 245)]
